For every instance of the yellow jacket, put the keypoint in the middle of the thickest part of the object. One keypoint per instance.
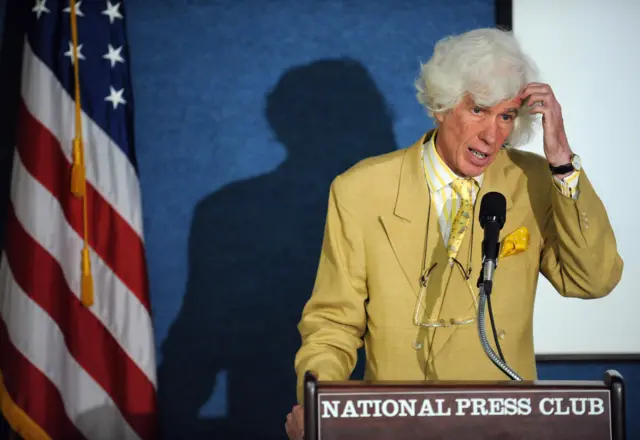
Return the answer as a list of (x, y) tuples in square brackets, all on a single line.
[(368, 279)]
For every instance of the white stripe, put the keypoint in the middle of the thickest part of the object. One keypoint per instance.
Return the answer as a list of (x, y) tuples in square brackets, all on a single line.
[(108, 168), (39, 339), (115, 306)]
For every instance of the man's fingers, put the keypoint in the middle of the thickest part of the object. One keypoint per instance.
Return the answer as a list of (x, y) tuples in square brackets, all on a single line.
[(294, 425), (540, 110), (298, 412), (537, 84), (291, 428), (290, 432), (543, 98), (531, 95), (535, 87)]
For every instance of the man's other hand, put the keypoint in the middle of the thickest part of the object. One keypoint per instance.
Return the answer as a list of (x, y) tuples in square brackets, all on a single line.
[(295, 423)]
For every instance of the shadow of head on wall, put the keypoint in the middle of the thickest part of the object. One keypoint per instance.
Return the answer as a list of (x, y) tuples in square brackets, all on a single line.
[(253, 254), (329, 115)]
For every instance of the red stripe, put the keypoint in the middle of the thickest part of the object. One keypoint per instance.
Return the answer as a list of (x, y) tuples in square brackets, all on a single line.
[(93, 347), (34, 393), (112, 238)]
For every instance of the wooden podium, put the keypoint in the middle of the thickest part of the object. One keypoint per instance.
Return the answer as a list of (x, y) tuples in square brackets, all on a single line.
[(566, 410)]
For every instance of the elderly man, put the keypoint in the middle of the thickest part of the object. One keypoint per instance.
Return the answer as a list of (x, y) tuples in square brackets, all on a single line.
[(402, 245)]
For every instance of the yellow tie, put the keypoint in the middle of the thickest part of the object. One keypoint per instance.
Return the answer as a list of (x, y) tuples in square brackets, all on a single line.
[(463, 217)]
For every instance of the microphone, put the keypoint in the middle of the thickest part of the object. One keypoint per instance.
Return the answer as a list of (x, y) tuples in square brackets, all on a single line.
[(493, 212)]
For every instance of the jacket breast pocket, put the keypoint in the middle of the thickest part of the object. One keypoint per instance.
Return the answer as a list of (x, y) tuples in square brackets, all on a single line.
[(514, 284)]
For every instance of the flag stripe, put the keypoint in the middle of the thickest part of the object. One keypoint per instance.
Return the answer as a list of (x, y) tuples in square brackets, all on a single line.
[(108, 169), (103, 358), (42, 156), (47, 410), (118, 310), (86, 403)]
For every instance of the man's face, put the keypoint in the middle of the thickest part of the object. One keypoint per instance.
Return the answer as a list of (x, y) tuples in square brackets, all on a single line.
[(470, 136)]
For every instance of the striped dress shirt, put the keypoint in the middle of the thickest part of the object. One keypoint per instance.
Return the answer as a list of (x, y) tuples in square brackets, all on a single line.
[(447, 202)]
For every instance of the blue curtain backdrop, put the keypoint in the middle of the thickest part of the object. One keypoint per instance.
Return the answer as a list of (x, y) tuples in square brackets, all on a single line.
[(245, 111)]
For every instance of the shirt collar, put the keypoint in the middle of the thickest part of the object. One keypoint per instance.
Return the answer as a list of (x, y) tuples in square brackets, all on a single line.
[(439, 175)]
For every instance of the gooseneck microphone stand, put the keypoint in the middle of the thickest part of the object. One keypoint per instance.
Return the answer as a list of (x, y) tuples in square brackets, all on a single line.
[(483, 336)]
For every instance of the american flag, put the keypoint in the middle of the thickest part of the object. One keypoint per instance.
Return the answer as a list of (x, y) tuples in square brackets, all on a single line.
[(76, 338)]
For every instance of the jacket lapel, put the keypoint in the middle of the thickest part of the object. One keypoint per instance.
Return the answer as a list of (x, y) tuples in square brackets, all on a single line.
[(406, 228)]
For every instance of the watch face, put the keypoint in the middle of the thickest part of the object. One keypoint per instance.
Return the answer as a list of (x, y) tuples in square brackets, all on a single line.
[(575, 161)]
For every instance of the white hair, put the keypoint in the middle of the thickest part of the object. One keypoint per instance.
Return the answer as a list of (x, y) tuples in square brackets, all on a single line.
[(488, 64)]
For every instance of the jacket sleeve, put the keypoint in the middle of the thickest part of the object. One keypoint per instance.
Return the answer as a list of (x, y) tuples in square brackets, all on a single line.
[(579, 252), (334, 319)]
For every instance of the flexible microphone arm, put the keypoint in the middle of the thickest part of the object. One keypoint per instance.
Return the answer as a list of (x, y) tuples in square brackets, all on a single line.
[(485, 342)]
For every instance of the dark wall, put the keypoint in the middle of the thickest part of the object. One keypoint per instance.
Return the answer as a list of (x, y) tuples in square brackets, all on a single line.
[(245, 111)]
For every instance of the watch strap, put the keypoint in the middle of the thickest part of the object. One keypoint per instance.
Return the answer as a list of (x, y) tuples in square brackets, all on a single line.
[(562, 169)]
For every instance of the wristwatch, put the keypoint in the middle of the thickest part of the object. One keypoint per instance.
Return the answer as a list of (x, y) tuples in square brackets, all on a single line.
[(574, 165)]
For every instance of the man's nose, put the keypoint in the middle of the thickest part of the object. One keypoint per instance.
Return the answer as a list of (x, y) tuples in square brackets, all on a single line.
[(489, 133)]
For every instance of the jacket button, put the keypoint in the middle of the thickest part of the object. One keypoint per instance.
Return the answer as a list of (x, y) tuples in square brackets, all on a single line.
[(502, 334), (417, 345)]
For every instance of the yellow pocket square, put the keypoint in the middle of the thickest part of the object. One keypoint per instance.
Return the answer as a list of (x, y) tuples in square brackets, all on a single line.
[(514, 243)]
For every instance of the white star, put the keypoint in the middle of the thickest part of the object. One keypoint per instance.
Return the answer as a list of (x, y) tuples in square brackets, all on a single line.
[(114, 55), (40, 8), (115, 97), (70, 53), (76, 6), (112, 11)]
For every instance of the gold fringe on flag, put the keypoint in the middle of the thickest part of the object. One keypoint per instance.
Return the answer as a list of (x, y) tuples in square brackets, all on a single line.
[(78, 168), (21, 424)]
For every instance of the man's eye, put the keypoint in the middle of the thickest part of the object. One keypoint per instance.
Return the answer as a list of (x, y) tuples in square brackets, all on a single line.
[(507, 117), (476, 110)]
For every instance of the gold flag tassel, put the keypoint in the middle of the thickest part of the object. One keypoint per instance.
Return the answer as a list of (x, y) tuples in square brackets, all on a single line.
[(78, 168)]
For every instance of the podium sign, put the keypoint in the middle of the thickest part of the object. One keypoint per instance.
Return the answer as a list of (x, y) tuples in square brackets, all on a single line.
[(448, 411)]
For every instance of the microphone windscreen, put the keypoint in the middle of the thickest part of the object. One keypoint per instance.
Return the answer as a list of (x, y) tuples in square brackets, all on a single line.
[(493, 206)]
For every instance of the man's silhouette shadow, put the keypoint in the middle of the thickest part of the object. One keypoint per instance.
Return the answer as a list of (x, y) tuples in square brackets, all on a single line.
[(254, 247)]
